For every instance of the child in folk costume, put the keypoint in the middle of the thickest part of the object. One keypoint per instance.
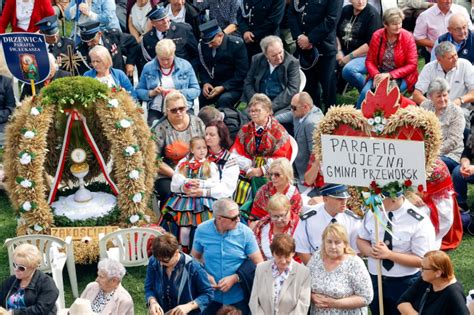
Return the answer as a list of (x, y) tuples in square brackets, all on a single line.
[(185, 210)]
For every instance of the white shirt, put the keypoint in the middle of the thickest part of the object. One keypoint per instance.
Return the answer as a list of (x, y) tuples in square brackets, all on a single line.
[(308, 234), (108, 79), (139, 19), (166, 83), (180, 18), (432, 23), (23, 13), (414, 234)]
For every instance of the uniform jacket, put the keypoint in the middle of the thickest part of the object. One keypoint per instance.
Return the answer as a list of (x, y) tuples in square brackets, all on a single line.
[(264, 17), (119, 45), (230, 64), (181, 34), (41, 9), (121, 303), (294, 295), (317, 20), (183, 75), (288, 73), (40, 295), (61, 47), (405, 55)]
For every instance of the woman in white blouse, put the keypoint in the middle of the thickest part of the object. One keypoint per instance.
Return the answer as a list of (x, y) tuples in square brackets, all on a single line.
[(138, 23), (339, 278)]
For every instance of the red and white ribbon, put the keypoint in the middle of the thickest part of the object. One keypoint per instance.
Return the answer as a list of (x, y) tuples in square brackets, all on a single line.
[(73, 116)]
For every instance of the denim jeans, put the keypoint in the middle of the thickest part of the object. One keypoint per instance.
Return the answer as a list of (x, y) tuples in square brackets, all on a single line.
[(450, 163), (354, 72), (368, 86), (460, 186)]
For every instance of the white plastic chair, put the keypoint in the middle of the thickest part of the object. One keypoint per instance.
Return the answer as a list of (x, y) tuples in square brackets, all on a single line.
[(53, 261), (294, 149), (302, 80), (129, 246)]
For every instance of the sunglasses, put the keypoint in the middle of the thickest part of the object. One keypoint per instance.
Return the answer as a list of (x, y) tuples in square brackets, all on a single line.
[(235, 218), (177, 109), (274, 174), (19, 267), (279, 217)]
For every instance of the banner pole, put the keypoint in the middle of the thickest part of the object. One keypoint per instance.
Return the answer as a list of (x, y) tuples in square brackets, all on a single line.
[(379, 270), (33, 89)]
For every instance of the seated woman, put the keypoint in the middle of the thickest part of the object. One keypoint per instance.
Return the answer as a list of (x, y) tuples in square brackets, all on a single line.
[(281, 181), (22, 16), (358, 21), (437, 292), (174, 282), (103, 71), (29, 290), (180, 11), (172, 135), (339, 279), (164, 74), (138, 23), (281, 285), (106, 293), (95, 10), (280, 219), (392, 53), (451, 118), (258, 143), (183, 213)]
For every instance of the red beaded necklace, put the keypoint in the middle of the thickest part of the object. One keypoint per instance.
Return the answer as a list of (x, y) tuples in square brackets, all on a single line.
[(167, 73)]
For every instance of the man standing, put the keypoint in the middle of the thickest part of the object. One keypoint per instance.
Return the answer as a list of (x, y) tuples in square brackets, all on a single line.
[(223, 67), (313, 26), (117, 43), (274, 73), (309, 232), (305, 117), (224, 244), (401, 254)]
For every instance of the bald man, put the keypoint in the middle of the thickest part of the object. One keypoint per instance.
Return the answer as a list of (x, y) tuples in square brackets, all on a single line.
[(460, 36)]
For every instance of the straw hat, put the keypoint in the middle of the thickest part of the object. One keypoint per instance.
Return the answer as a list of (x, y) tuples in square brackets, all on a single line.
[(79, 307)]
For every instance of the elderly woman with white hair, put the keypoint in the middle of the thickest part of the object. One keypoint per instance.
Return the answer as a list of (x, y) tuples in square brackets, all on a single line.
[(28, 291), (451, 118), (103, 71), (164, 74), (106, 294)]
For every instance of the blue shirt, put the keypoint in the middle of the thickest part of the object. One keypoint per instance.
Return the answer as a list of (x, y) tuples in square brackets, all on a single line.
[(224, 253)]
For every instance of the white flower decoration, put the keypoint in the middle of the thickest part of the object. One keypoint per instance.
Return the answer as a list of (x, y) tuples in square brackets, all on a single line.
[(34, 111), (380, 127), (113, 103), (125, 123), (26, 206), (374, 129), (384, 121), (130, 150), (137, 198), (38, 227), (134, 218), (29, 134), (377, 119), (26, 183), (134, 174), (25, 159), (370, 121)]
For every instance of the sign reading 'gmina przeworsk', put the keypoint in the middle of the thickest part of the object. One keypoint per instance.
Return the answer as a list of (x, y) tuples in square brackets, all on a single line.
[(358, 161)]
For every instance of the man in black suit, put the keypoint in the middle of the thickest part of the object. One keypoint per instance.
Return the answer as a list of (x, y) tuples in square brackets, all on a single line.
[(223, 66), (181, 34), (274, 73), (117, 43)]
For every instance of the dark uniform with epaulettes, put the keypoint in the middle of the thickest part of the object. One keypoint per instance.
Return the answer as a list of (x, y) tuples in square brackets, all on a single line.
[(262, 18)]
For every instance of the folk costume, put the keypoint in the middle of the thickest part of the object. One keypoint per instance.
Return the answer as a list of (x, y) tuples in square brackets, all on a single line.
[(263, 196), (228, 174)]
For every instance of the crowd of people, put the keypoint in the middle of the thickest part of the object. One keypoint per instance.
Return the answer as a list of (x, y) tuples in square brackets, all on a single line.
[(245, 234)]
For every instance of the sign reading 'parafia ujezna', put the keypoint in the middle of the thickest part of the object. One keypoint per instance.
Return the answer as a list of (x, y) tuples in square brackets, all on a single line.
[(358, 161)]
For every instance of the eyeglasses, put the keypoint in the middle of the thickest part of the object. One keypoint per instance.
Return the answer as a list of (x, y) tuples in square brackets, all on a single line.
[(276, 174), (279, 217), (235, 218), (425, 269), (177, 109), (19, 267), (255, 111), (165, 260)]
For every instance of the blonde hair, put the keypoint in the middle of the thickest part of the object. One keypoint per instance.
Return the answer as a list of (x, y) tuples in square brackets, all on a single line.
[(165, 48), (103, 53), (337, 231), (278, 201), (206, 165), (393, 15), (262, 99), (286, 168), (29, 253), (173, 97)]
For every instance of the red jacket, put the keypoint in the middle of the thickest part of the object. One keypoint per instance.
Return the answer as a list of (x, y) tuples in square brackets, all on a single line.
[(406, 57), (41, 9)]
